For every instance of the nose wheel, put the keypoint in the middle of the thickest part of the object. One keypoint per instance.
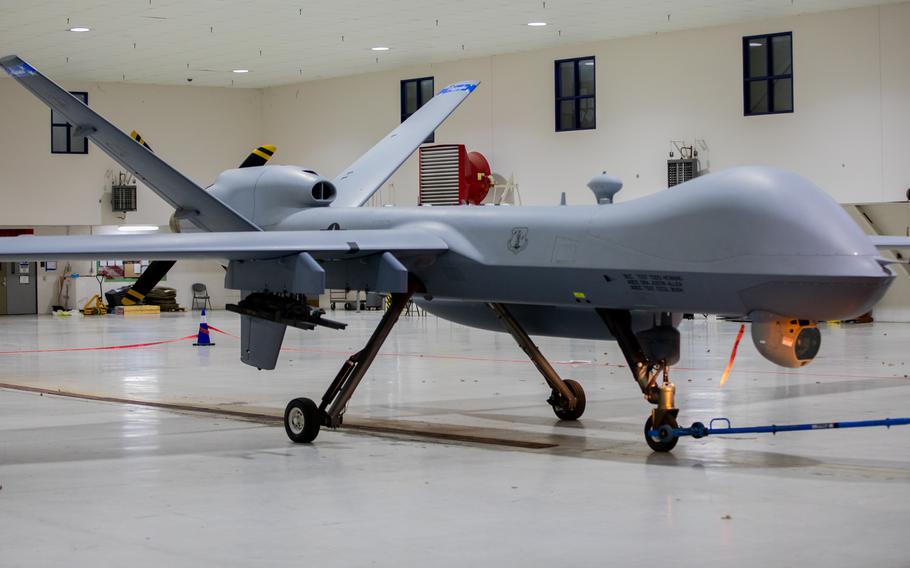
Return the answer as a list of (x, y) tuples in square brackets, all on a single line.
[(664, 440), (647, 369)]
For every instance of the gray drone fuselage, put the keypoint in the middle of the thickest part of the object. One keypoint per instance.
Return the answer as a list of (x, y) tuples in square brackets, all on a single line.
[(736, 242)]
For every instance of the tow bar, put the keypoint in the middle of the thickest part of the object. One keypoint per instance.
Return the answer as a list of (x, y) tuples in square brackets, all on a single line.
[(699, 430)]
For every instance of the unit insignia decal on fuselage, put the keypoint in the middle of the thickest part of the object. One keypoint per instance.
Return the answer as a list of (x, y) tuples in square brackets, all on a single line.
[(519, 239)]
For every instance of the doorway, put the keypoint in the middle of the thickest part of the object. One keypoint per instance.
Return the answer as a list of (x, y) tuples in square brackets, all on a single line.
[(18, 282), (18, 288)]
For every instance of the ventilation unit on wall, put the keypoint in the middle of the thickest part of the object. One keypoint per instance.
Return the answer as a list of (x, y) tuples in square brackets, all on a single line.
[(123, 198), (685, 167), (450, 175), (681, 170), (123, 194)]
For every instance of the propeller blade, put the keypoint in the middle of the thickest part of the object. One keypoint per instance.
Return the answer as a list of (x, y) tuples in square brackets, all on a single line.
[(135, 136), (155, 270), (259, 156), (147, 280)]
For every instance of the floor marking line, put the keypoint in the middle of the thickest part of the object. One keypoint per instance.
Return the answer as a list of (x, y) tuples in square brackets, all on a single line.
[(366, 426)]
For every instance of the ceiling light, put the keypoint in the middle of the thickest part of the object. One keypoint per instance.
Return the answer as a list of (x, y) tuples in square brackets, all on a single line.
[(241, 70), (380, 48), (137, 228), (755, 44), (537, 24), (80, 30)]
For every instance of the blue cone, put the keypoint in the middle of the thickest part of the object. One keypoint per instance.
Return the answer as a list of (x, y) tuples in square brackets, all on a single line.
[(202, 338)]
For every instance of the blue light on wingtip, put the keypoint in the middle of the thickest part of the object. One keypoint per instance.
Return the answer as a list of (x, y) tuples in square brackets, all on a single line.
[(459, 87), (20, 70)]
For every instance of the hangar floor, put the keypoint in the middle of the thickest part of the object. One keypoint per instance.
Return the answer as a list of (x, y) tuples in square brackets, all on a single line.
[(87, 482)]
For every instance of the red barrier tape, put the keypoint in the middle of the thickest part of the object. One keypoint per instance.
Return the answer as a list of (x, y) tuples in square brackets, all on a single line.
[(101, 348), (213, 328), (451, 357), (802, 372)]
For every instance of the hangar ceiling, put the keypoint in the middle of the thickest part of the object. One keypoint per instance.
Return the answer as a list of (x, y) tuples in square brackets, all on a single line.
[(280, 42)]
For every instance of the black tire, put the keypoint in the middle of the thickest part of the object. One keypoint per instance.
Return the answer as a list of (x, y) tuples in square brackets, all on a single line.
[(563, 412), (301, 420), (333, 306), (661, 444)]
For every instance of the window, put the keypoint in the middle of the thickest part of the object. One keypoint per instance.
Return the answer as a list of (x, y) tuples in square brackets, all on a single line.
[(414, 94), (62, 139), (768, 74), (575, 94)]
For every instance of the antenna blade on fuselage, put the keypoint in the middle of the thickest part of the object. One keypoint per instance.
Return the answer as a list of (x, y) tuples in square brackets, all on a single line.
[(207, 211), (359, 181)]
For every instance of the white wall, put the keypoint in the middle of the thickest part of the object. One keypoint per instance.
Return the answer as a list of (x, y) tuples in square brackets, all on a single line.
[(848, 134), (200, 131)]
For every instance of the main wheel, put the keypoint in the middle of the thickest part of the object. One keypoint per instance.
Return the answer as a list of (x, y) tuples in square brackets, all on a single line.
[(664, 441), (301, 420), (561, 409)]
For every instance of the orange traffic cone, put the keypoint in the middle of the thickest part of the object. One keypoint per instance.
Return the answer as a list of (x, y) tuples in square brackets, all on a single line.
[(202, 338)]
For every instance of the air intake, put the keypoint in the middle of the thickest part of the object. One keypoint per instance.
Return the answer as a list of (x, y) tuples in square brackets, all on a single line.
[(323, 191)]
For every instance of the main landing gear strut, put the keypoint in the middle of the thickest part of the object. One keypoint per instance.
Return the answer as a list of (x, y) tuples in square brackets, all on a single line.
[(567, 397), (652, 373), (302, 418)]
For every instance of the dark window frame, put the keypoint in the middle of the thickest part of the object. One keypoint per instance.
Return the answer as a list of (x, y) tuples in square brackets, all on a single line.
[(769, 78), (404, 114), (577, 61), (69, 129)]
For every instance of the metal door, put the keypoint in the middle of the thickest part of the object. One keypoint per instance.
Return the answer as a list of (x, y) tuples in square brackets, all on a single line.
[(21, 287)]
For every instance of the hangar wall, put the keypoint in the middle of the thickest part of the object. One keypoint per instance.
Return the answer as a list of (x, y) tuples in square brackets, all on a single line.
[(201, 131), (848, 133)]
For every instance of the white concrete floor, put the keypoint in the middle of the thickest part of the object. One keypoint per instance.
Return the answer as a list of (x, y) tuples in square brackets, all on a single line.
[(90, 483)]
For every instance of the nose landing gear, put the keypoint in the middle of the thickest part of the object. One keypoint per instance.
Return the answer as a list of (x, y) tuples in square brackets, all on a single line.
[(660, 425)]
